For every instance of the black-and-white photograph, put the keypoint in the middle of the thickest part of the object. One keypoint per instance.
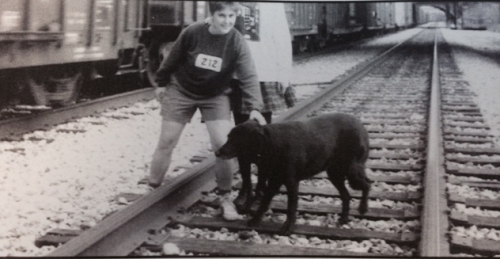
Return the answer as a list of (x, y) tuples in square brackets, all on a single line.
[(157, 128)]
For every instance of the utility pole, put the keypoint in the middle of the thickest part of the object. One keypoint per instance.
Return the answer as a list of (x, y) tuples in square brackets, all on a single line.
[(455, 12), (447, 14)]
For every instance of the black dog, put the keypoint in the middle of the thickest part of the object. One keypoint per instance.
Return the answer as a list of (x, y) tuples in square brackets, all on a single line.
[(292, 151)]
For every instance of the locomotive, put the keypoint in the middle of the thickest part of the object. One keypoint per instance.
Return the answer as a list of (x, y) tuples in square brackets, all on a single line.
[(50, 48)]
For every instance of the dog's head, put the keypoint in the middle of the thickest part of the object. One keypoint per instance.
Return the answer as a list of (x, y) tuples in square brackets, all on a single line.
[(244, 139)]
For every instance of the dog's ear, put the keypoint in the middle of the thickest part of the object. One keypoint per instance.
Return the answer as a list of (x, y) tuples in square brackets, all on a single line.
[(258, 139)]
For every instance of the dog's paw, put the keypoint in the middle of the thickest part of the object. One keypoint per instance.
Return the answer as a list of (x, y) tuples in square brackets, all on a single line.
[(241, 208), (343, 220), (286, 230), (240, 201), (363, 208), (253, 207), (253, 222)]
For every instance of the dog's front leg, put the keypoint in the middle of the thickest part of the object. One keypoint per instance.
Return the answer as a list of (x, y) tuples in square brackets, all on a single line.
[(260, 188), (292, 188), (272, 189), (243, 201)]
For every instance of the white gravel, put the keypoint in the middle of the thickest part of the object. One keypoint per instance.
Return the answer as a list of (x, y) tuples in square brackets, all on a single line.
[(63, 180), (482, 72)]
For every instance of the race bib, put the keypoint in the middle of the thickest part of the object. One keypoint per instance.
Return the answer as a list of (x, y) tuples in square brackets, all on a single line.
[(208, 62)]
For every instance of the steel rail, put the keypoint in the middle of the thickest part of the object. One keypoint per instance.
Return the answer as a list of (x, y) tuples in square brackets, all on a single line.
[(336, 87), (434, 217), (12, 128), (123, 231)]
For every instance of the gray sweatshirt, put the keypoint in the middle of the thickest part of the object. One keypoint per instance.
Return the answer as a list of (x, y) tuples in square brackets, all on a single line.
[(204, 64)]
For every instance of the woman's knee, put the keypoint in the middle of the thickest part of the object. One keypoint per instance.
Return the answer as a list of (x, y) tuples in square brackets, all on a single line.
[(166, 144), (169, 136), (218, 131)]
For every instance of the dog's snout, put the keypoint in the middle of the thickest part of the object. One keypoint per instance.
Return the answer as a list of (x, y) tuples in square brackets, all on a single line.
[(225, 152)]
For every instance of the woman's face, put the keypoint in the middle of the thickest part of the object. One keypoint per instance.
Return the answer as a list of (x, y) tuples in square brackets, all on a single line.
[(223, 21)]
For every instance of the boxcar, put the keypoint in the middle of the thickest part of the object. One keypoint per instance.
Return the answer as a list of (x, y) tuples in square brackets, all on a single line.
[(313, 25), (404, 14), (49, 47), (165, 21), (478, 16)]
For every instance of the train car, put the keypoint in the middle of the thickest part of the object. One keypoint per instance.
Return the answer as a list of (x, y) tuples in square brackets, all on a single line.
[(313, 25), (387, 15), (404, 15), (478, 16), (342, 21), (49, 47), (303, 20), (368, 15), (165, 21), (377, 17)]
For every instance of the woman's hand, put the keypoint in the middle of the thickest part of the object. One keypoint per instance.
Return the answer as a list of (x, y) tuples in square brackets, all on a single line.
[(255, 115)]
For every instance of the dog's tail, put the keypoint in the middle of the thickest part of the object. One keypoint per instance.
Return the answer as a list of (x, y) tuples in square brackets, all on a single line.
[(357, 178)]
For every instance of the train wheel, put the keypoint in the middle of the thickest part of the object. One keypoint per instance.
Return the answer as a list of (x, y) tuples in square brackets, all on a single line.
[(321, 43), (108, 68), (11, 92), (303, 45), (295, 47), (35, 81), (151, 59), (54, 87)]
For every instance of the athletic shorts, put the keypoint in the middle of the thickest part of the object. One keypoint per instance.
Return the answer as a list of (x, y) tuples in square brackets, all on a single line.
[(177, 107)]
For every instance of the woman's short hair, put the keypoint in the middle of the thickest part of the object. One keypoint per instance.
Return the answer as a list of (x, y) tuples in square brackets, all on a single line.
[(215, 6)]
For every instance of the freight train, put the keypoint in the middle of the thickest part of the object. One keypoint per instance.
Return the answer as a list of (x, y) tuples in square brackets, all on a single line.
[(50, 48), (314, 25), (478, 16)]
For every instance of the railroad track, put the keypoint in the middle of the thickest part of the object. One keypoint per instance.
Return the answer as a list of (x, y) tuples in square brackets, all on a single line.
[(410, 212), (472, 166), (13, 128)]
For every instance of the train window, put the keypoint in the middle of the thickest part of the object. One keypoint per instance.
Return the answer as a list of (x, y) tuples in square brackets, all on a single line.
[(126, 22), (45, 15), (251, 21), (201, 10), (164, 12), (132, 12), (352, 10), (12, 15), (103, 14)]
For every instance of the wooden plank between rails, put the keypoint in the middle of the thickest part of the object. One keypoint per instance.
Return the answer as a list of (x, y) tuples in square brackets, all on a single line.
[(482, 221), (318, 231), (485, 246), (380, 178), (332, 192), (476, 151), (235, 248), (473, 202), (479, 172), (311, 207)]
